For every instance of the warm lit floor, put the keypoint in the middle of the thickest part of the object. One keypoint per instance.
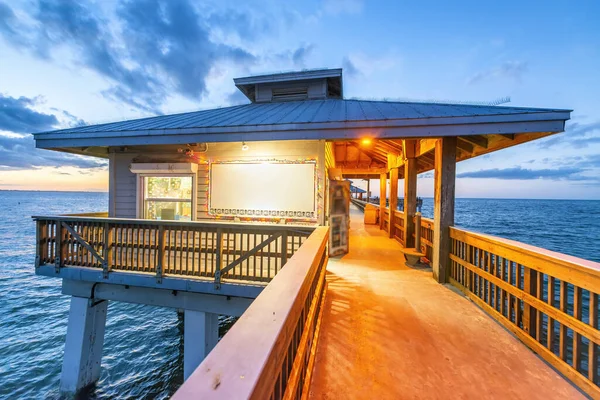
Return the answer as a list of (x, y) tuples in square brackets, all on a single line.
[(391, 332)]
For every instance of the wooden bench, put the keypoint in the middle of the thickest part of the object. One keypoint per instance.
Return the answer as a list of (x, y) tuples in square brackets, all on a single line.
[(412, 256)]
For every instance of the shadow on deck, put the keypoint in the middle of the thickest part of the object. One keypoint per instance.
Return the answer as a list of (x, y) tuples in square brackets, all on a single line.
[(391, 332)]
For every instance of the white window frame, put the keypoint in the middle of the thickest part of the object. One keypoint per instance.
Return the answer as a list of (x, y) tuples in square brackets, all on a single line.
[(139, 207)]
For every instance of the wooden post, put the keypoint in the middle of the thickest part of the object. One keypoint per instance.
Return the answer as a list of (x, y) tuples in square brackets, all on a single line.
[(393, 201), (161, 254), (382, 196), (444, 190), (368, 190), (410, 191)]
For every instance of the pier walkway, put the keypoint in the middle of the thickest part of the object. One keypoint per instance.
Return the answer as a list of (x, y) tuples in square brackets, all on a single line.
[(392, 332)]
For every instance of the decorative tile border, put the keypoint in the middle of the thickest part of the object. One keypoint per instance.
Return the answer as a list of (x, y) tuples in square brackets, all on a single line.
[(262, 213)]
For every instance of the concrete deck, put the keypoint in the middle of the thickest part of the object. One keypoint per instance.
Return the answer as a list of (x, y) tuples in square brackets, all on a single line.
[(391, 332)]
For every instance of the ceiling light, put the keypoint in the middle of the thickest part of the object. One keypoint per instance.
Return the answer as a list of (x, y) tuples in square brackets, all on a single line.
[(366, 142), (245, 147)]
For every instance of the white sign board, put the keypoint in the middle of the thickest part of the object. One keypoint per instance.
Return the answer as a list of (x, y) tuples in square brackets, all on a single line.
[(263, 189)]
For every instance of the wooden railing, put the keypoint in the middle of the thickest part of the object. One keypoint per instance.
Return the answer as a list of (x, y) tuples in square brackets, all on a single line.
[(200, 249), (427, 239), (548, 300), (270, 351), (398, 227)]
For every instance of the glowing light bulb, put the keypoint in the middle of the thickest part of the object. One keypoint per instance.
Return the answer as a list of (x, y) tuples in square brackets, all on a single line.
[(245, 147), (366, 142)]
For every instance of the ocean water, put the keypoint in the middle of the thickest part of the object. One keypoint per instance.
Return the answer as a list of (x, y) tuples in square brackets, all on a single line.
[(142, 355)]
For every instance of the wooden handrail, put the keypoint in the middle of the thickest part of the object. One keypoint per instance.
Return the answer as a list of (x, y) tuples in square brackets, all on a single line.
[(204, 249), (519, 284), (267, 353)]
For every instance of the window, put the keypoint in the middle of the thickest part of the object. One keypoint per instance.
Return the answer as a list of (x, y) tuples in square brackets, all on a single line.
[(168, 197)]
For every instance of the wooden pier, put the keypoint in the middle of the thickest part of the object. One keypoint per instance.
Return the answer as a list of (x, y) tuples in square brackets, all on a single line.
[(391, 332), (226, 211)]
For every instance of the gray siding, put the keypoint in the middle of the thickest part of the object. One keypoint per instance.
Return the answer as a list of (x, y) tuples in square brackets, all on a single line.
[(125, 187)]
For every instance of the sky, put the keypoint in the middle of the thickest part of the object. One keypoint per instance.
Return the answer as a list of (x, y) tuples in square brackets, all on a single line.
[(68, 63)]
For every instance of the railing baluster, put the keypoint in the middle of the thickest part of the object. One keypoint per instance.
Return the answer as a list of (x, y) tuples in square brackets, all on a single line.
[(563, 328), (59, 253), (550, 335), (577, 344), (161, 254), (107, 253), (218, 258), (593, 347)]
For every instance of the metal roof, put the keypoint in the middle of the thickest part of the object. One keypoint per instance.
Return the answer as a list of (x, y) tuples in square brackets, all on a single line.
[(290, 76), (313, 119)]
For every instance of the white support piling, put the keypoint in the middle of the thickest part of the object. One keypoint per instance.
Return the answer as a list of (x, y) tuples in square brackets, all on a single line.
[(200, 336), (83, 347)]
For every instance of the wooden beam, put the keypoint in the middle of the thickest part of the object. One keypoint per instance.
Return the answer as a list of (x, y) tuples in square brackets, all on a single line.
[(477, 140), (425, 146), (388, 148), (444, 193), (382, 205), (356, 171), (393, 198), (465, 145), (410, 192)]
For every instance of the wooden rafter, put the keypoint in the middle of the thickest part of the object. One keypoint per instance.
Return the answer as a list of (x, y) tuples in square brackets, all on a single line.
[(477, 140)]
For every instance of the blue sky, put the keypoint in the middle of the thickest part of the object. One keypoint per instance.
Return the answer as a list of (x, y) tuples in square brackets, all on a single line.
[(64, 64)]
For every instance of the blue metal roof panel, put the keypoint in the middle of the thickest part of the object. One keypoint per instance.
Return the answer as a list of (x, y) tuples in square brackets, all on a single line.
[(303, 112)]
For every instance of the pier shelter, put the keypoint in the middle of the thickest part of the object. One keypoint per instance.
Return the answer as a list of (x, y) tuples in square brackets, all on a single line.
[(225, 211)]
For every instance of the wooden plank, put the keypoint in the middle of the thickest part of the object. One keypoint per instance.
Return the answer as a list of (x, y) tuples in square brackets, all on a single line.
[(260, 339), (582, 273), (569, 372), (593, 347), (529, 316), (561, 316), (382, 198), (477, 140), (444, 189), (81, 241)]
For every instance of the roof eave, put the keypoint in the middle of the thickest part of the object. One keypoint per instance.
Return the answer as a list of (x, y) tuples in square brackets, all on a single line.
[(528, 123)]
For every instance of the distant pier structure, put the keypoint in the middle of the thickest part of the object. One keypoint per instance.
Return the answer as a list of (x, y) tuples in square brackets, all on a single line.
[(226, 211)]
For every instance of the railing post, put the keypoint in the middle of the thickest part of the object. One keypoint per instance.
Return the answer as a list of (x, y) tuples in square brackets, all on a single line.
[(284, 240), (38, 241), (529, 313), (218, 259), (60, 245), (161, 254), (107, 253)]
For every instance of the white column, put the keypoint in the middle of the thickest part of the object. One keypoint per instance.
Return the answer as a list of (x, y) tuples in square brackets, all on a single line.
[(200, 336), (83, 347)]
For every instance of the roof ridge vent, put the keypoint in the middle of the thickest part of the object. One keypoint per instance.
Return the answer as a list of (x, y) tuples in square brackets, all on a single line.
[(293, 86)]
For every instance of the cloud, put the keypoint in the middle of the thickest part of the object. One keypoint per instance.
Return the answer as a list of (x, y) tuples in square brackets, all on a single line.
[(161, 47), (19, 152), (237, 98), (512, 70), (576, 134), (350, 69), (573, 173), (16, 115), (300, 54)]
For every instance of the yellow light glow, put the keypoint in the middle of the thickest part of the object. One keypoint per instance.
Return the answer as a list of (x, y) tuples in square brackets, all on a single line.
[(366, 142)]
